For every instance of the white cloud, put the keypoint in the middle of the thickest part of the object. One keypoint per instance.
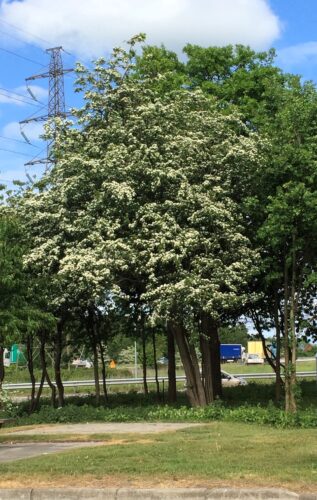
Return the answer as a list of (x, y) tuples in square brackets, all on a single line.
[(298, 54), (6, 98), (31, 130), (92, 27), (19, 96), (40, 93)]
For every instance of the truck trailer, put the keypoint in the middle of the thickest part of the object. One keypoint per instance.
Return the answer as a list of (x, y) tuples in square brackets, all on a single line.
[(230, 352)]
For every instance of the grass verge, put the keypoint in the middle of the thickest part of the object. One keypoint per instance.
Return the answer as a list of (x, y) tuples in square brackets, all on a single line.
[(220, 452)]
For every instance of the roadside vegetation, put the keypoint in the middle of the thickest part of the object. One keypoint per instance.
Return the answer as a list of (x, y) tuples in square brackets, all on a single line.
[(251, 404), (181, 203)]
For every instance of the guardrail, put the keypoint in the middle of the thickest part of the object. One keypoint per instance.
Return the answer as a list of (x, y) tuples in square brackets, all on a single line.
[(128, 381)]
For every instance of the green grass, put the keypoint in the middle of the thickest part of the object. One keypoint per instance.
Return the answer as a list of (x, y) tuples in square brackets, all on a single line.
[(15, 374), (221, 451), (233, 368)]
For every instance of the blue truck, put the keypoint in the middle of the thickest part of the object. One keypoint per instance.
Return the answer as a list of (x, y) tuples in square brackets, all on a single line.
[(230, 352)]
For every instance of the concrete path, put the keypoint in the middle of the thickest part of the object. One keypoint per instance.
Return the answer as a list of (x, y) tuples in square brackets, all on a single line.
[(103, 428), (12, 452), (18, 451), (153, 494)]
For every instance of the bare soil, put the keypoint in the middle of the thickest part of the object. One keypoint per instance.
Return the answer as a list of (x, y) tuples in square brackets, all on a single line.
[(101, 428)]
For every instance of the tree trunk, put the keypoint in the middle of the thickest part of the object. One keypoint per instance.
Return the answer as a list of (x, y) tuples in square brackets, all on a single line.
[(210, 350), (39, 392), (92, 333), (215, 360), (293, 342), (172, 393), (29, 353), (276, 363), (96, 370), (2, 370), (103, 371), (278, 379), (286, 339), (155, 366), (45, 372), (205, 348), (144, 361), (195, 389), (57, 363)]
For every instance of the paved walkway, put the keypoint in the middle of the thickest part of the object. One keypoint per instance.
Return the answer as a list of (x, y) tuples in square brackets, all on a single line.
[(12, 452), (153, 494), (104, 428), (18, 451)]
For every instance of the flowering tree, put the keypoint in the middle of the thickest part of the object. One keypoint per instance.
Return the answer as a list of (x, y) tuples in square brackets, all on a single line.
[(140, 204)]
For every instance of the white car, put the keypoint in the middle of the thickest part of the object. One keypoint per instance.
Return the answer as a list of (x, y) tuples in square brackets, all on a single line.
[(6, 358), (81, 363), (229, 380), (254, 359)]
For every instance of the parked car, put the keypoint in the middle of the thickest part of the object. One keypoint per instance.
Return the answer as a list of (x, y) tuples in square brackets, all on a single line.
[(229, 380), (254, 359), (162, 361), (6, 358), (82, 363)]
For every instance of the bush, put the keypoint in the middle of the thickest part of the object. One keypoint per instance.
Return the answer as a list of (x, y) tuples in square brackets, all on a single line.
[(246, 413), (7, 408)]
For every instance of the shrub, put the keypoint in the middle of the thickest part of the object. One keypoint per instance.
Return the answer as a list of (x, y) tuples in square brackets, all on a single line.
[(246, 413), (7, 408)]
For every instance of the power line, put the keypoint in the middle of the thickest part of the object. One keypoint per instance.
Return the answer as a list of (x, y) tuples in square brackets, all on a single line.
[(18, 140), (16, 93), (19, 100), (21, 95), (21, 57), (19, 39), (37, 111), (15, 152), (34, 36), (34, 158), (24, 31)]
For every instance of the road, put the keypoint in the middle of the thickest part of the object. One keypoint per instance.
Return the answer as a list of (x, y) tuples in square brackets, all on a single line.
[(137, 381)]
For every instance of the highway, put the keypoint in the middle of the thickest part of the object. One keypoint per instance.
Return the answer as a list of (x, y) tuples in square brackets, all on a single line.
[(139, 380)]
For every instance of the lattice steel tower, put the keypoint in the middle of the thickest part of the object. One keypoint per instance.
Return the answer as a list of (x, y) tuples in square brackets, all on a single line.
[(56, 97)]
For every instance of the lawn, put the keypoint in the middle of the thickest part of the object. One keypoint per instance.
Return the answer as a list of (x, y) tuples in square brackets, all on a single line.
[(217, 453)]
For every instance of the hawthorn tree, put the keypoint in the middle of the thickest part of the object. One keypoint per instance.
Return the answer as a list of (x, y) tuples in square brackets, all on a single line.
[(140, 203)]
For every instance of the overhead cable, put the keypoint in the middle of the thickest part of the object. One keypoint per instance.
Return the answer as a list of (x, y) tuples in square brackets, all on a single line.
[(21, 57), (34, 36), (16, 93), (19, 100), (16, 152), (17, 140), (24, 31)]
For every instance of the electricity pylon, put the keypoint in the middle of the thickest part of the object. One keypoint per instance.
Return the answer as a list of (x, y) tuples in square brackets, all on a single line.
[(56, 97)]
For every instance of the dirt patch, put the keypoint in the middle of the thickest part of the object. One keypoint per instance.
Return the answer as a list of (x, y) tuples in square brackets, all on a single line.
[(114, 442), (103, 428), (121, 482)]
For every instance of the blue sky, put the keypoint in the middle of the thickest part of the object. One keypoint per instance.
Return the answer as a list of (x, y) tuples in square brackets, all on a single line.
[(88, 29)]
